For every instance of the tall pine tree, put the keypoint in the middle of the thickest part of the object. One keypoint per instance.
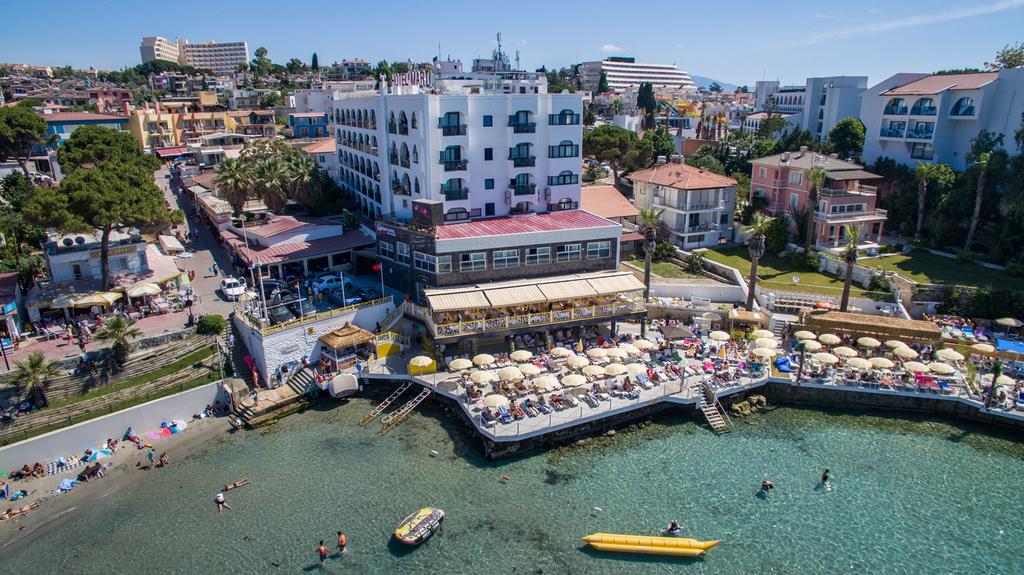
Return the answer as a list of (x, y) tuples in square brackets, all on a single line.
[(314, 64)]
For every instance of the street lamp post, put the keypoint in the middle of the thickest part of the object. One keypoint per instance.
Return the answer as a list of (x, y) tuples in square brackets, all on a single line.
[(263, 293)]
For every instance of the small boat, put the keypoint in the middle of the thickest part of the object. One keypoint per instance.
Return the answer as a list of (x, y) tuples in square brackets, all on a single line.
[(420, 526), (678, 546)]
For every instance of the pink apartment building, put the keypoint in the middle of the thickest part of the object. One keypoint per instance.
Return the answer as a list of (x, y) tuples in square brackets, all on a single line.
[(784, 180)]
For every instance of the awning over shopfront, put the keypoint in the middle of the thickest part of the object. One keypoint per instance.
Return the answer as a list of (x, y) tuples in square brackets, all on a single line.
[(165, 153), (527, 292)]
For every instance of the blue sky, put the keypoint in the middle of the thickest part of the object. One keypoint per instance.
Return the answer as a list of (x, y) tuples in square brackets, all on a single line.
[(738, 41)]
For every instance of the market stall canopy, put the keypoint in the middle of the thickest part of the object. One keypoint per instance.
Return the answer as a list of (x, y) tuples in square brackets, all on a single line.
[(142, 290), (100, 298), (670, 332), (347, 336)]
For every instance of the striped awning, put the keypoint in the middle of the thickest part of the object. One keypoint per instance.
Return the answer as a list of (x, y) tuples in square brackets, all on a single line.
[(616, 284), (519, 295), (567, 290), (457, 301)]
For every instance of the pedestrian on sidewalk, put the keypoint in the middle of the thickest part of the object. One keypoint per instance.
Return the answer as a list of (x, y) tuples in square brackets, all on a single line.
[(216, 270), (231, 340)]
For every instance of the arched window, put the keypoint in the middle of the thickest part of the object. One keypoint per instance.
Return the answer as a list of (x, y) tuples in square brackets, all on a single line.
[(413, 122), (415, 155), (394, 154), (373, 141), (923, 107), (392, 124), (963, 107), (406, 184), (403, 123), (896, 107), (394, 180), (373, 120), (565, 118), (416, 186), (403, 156)]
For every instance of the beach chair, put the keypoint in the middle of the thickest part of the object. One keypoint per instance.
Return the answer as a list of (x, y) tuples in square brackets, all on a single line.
[(487, 419), (505, 416)]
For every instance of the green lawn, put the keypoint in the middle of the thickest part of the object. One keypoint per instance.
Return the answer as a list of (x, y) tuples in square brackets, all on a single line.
[(923, 266), (663, 269), (777, 273)]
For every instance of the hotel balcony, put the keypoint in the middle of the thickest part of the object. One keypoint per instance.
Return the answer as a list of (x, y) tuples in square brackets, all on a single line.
[(562, 206), (868, 215), (968, 113), (455, 165), (522, 127), (523, 161), (861, 190), (523, 189), (920, 135), (697, 229), (453, 194), (693, 207), (923, 111), (563, 119), (895, 111), (452, 129), (891, 133)]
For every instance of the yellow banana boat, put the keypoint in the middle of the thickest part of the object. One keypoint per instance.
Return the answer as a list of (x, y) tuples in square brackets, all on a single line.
[(678, 546)]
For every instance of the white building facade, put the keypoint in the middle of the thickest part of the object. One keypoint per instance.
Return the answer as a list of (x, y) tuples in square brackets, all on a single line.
[(622, 73), (815, 106), (484, 148), (220, 57), (915, 118), (157, 48)]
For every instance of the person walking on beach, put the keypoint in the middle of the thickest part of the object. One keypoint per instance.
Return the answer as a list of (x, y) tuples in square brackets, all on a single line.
[(342, 542), (323, 552), (149, 456)]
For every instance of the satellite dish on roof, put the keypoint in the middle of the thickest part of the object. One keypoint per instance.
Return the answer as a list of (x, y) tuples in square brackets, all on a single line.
[(79, 240), (68, 242)]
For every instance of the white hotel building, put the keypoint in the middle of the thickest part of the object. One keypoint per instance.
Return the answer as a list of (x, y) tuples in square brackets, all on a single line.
[(625, 72), (484, 148), (915, 118)]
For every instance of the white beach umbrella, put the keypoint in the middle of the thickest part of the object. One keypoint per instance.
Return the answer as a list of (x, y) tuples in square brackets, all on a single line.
[(635, 369), (615, 353), (949, 354), (577, 361), (894, 344), (719, 336), (520, 355), (528, 369), (545, 383), (826, 358), (844, 351), (510, 373), (983, 347), (574, 380), (614, 369), (804, 334), (560, 352), (858, 363), (757, 333), (421, 361), (643, 344), (1009, 322), (496, 400), (1001, 380), (916, 367), (596, 353), (881, 363), (594, 370), (811, 345), (869, 342), (483, 359), (905, 352), (766, 342), (630, 349), (763, 352), (460, 364), (482, 377), (829, 339), (941, 368)]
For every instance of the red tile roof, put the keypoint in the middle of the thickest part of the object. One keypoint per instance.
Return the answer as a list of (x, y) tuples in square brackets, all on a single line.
[(298, 250), (555, 221), (326, 145), (278, 225), (681, 177), (631, 237), (938, 83), (607, 202), (81, 117)]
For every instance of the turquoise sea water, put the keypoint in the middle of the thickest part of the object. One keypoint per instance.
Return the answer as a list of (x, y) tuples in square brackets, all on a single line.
[(910, 496)]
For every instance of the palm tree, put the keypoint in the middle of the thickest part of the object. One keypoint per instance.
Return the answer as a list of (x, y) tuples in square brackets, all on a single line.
[(801, 346), (979, 193), (272, 182), (118, 332), (997, 370), (300, 170), (758, 228), (815, 178), (853, 232), (382, 72), (649, 227), (617, 106), (234, 182), (32, 374)]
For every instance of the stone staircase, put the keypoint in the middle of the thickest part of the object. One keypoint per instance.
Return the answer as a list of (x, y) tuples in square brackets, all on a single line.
[(301, 380)]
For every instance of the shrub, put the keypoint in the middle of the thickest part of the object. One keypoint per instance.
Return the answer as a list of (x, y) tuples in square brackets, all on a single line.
[(663, 251), (802, 260), (1015, 269), (966, 256), (777, 236), (695, 263), (879, 288), (211, 324)]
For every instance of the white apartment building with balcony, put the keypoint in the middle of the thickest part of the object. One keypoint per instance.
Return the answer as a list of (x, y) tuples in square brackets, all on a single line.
[(623, 73), (157, 48), (484, 147), (915, 118), (698, 205), (817, 105), (220, 57)]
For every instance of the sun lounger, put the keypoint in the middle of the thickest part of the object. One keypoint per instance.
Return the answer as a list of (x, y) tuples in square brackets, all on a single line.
[(505, 416), (570, 399), (644, 382), (487, 419), (545, 408)]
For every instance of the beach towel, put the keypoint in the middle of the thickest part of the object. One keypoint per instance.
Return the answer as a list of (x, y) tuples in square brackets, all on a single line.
[(66, 485), (782, 364)]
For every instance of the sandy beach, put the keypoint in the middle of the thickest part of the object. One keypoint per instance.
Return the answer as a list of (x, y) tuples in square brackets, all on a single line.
[(126, 467)]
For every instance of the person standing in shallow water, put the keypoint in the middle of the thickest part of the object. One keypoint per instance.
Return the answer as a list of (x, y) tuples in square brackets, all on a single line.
[(323, 552), (342, 542)]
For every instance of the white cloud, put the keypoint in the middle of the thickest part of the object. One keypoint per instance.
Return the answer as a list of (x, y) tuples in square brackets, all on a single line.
[(614, 48), (913, 21)]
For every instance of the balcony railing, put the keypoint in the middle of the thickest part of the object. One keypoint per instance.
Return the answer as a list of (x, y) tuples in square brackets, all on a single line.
[(850, 216), (515, 211), (524, 189), (563, 206), (462, 216), (455, 165), (501, 324), (915, 135), (452, 193), (968, 112), (699, 228), (895, 111), (923, 111), (891, 133), (682, 206), (836, 193), (452, 129), (563, 119), (522, 127), (523, 161)]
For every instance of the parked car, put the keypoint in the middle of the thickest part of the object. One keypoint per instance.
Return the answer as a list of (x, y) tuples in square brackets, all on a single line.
[(328, 283), (269, 285), (334, 296), (325, 274), (231, 288), (279, 314)]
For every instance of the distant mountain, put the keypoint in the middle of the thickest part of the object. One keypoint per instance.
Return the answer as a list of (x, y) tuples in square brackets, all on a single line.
[(705, 82)]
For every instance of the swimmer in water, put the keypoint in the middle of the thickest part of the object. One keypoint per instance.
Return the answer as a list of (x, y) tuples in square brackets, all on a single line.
[(342, 542), (673, 527), (824, 478), (323, 551), (222, 504), (767, 486), (236, 484)]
